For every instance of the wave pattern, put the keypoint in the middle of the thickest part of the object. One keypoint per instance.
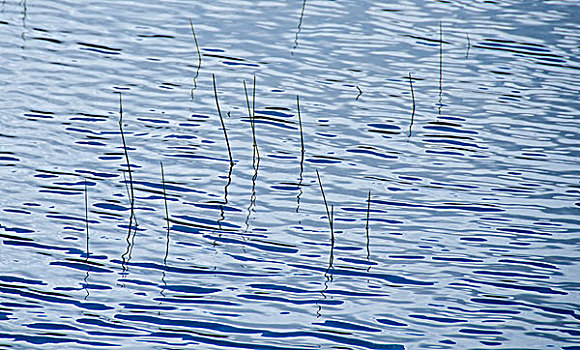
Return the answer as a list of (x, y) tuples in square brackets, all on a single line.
[(460, 118)]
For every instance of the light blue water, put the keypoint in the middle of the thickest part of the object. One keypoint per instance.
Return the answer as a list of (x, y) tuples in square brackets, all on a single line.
[(473, 228)]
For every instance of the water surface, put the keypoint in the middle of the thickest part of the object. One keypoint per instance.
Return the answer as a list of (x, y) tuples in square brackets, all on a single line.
[(471, 237)]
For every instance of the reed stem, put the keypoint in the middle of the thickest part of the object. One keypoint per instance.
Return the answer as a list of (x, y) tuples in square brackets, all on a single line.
[(132, 197), (368, 212), (330, 216), (222, 120), (166, 214), (300, 123), (413, 97), (412, 91), (164, 195), (87, 217), (367, 225), (252, 116), (198, 61), (440, 66), (196, 45)]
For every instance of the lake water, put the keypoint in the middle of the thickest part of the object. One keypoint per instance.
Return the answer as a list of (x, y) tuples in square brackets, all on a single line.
[(470, 239)]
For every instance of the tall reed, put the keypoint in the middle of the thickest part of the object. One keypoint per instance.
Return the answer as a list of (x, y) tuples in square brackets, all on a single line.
[(166, 214), (302, 151), (367, 225), (196, 44), (130, 192), (132, 197), (330, 216), (252, 116), (413, 97), (198, 56), (164, 195), (87, 217), (222, 121), (440, 66), (300, 124)]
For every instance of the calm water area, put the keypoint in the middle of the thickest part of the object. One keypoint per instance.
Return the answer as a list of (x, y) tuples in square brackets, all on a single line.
[(414, 181)]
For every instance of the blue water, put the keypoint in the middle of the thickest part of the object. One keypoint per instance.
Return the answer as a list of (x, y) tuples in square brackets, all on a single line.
[(470, 239)]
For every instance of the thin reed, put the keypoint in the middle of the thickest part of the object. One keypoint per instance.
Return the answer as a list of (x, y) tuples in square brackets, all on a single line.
[(196, 44), (367, 225), (300, 124), (413, 97), (328, 213), (252, 116), (368, 212), (301, 154), (222, 120), (412, 91), (132, 191), (87, 217), (130, 239), (198, 56), (164, 195), (166, 214), (440, 66)]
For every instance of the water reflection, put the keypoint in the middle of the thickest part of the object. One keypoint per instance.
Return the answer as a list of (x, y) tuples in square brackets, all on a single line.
[(299, 28), (225, 200), (468, 45)]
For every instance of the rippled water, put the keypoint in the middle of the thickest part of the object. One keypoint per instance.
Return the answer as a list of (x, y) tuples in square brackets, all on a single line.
[(471, 236)]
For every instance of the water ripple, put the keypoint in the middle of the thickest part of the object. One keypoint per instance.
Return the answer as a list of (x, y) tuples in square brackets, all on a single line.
[(444, 133)]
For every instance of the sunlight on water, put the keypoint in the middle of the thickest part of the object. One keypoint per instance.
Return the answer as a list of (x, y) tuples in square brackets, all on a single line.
[(460, 118)]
